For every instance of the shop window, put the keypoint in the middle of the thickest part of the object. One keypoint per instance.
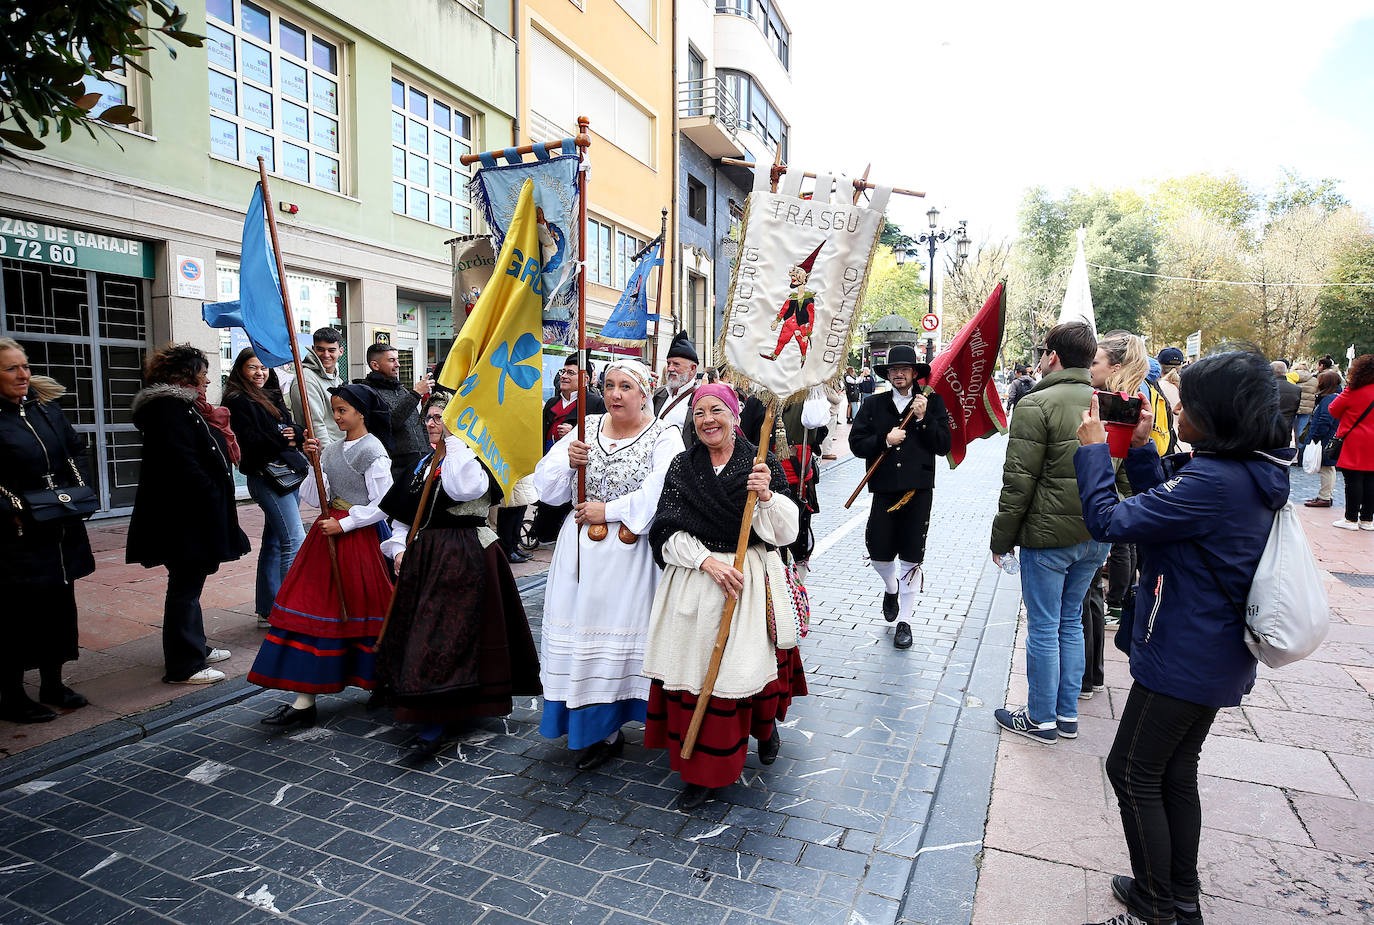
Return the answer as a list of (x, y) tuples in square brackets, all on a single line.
[(562, 88), (696, 200)]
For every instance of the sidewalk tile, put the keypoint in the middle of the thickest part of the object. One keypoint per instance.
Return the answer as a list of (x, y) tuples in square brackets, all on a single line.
[(1249, 809), (1271, 763), (1299, 881), (1089, 835), (1343, 826), (1307, 730), (1019, 890), (1328, 701), (1358, 773)]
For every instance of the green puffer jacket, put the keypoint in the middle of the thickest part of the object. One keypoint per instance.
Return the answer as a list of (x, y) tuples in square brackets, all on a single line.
[(1039, 505)]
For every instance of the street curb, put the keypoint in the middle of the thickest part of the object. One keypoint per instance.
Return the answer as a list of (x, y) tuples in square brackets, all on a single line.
[(79, 746), (944, 876)]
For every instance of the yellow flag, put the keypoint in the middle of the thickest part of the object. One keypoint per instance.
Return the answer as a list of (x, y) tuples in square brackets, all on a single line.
[(495, 367)]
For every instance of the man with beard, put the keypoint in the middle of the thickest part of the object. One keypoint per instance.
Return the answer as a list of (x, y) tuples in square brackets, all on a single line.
[(903, 485), (671, 403), (407, 428)]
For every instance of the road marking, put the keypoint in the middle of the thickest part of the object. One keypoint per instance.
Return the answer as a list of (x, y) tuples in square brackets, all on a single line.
[(839, 533)]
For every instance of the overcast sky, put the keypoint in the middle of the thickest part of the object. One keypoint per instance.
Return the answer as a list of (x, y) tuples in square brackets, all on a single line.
[(975, 102)]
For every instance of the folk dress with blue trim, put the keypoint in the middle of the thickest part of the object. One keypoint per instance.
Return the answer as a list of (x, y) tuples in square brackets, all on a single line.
[(311, 648)]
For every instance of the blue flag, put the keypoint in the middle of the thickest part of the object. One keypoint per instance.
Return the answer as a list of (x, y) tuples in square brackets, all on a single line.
[(258, 309), (629, 323)]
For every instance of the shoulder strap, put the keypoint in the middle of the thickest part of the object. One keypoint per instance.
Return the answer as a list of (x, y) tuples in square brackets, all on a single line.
[(1359, 419)]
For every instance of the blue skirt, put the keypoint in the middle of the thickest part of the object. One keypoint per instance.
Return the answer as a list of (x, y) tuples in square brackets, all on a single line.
[(292, 661), (588, 725)]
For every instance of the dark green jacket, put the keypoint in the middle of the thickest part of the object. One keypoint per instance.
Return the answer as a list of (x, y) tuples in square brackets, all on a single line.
[(1039, 505)]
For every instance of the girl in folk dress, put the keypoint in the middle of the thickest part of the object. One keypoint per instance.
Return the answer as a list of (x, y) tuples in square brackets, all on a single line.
[(596, 622), (694, 536), (312, 648)]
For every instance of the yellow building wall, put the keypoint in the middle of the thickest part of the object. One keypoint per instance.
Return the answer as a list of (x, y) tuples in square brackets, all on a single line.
[(622, 189)]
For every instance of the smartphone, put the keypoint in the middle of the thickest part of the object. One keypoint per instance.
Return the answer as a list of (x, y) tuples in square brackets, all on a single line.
[(1116, 408)]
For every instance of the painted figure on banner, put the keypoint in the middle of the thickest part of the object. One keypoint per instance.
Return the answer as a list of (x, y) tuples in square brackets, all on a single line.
[(552, 242), (799, 311)]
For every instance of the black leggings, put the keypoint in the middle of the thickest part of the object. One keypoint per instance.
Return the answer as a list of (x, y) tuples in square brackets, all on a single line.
[(1153, 768), (1359, 494)]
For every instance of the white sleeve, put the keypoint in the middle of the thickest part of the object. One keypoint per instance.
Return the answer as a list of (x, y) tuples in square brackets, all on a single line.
[(684, 550), (378, 479), (776, 520), (310, 491), (397, 541), (636, 510), (462, 476), (553, 477), (816, 409)]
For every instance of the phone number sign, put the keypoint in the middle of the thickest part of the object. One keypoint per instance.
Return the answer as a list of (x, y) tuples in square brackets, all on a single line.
[(73, 247)]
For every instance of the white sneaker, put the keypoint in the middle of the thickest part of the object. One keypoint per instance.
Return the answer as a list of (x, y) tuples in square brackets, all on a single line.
[(204, 676), (1367, 525), (264, 623), (217, 655), (1344, 524)]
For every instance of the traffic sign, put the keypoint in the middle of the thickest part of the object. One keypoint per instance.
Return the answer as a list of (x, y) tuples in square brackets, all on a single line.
[(930, 322), (1194, 345)]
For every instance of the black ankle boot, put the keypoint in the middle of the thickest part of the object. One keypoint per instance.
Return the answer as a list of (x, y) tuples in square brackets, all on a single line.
[(287, 715), (769, 747), (598, 753), (693, 795), (61, 696)]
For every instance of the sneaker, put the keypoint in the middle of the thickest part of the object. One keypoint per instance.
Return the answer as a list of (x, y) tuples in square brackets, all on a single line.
[(264, 623), (204, 676), (1187, 914), (217, 655), (1367, 525), (1099, 688), (1068, 728), (1113, 617), (1317, 502), (1121, 918), (1085, 694), (1344, 524), (1019, 722)]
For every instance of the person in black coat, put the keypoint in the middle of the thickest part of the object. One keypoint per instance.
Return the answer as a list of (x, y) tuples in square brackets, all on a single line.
[(266, 434), (184, 515), (903, 484), (39, 562), (1290, 395)]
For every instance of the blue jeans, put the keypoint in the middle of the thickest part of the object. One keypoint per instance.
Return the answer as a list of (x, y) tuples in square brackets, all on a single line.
[(1299, 425), (282, 535), (1053, 582)]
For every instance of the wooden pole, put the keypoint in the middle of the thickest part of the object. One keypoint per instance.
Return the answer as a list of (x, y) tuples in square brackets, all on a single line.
[(859, 185), (689, 742), (881, 456), (658, 297), (300, 380), (431, 477), (583, 141)]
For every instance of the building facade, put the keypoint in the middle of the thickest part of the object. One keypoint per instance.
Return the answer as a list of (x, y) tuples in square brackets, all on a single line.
[(361, 111), (611, 61), (734, 96)]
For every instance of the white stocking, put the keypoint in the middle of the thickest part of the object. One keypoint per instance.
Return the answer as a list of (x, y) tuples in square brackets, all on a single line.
[(913, 584), (303, 702), (888, 572)]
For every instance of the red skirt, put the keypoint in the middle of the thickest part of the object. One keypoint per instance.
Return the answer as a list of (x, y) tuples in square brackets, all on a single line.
[(723, 741), (308, 601)]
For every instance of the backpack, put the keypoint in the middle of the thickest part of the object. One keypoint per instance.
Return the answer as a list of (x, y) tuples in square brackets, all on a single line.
[(1287, 612), (1162, 431)]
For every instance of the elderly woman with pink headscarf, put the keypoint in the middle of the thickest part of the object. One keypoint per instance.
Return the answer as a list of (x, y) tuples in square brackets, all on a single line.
[(694, 537), (602, 578)]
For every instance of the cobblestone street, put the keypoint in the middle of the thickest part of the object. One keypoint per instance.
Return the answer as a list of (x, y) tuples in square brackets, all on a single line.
[(871, 814)]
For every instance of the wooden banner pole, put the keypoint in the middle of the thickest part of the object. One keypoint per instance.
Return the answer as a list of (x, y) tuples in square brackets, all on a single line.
[(431, 477), (859, 185), (658, 297), (300, 380)]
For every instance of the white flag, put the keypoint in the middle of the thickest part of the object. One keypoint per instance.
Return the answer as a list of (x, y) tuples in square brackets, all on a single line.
[(1078, 298)]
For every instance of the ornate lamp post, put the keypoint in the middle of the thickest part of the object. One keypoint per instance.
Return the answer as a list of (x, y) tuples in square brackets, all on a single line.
[(932, 239)]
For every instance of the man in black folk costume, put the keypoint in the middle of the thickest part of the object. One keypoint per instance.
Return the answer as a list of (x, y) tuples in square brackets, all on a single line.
[(903, 484)]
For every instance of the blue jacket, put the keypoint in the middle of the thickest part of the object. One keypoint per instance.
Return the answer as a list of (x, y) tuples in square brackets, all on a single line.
[(1323, 426), (1188, 639)]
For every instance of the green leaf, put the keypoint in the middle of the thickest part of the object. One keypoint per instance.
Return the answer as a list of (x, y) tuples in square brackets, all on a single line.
[(119, 115), (21, 140), (187, 38)]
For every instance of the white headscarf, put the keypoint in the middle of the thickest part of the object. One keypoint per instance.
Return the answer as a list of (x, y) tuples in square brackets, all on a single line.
[(636, 371)]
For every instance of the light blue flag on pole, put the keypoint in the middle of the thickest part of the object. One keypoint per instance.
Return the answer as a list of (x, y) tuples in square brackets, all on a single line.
[(258, 309), (629, 323)]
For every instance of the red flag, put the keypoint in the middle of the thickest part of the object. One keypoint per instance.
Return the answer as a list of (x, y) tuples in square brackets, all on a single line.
[(962, 376)]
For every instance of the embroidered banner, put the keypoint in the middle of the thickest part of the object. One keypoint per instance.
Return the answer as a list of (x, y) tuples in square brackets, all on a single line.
[(962, 375), (628, 325), (473, 262), (798, 282)]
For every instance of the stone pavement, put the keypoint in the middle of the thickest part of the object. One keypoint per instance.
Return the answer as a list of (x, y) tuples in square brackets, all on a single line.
[(215, 820), (1287, 782), (120, 632)]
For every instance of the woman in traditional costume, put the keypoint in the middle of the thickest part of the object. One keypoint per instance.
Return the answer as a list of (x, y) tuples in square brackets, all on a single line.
[(312, 647), (602, 578), (457, 644), (694, 536)]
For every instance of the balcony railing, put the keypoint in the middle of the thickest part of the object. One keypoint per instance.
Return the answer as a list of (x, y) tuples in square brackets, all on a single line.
[(706, 97)]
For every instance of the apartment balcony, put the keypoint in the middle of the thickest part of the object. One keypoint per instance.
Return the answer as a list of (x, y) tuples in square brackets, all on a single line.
[(708, 116)]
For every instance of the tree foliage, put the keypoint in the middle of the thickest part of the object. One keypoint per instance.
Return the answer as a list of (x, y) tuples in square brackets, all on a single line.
[(1346, 313), (49, 50), (894, 289)]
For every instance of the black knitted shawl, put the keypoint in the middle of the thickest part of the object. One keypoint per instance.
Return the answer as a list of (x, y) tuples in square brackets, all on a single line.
[(708, 506)]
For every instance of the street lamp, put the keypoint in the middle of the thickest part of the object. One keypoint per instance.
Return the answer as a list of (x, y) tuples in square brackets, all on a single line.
[(932, 239)]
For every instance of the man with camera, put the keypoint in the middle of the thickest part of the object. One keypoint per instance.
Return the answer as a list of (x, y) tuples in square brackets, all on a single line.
[(1039, 511), (407, 427)]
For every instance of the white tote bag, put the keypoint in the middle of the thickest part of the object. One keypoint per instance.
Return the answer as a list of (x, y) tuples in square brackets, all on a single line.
[(1312, 458), (1287, 612)]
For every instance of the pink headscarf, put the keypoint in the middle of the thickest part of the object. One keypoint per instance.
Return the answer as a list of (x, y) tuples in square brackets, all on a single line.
[(719, 390)]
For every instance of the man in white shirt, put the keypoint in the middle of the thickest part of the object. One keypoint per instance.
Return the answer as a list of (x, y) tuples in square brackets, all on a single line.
[(673, 402)]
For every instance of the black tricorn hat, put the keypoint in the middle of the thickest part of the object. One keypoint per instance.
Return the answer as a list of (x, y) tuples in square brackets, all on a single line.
[(682, 347), (902, 355)]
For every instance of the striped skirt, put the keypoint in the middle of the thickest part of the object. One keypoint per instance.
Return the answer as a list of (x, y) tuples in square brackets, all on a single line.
[(723, 742)]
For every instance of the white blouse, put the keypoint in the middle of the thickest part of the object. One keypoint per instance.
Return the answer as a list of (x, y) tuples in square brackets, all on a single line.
[(775, 522), (461, 477), (378, 480)]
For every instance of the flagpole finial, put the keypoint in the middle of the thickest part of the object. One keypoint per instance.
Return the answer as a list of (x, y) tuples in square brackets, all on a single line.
[(1081, 232)]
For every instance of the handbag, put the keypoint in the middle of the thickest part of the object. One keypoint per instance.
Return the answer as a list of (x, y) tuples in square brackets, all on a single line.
[(58, 501), (784, 622), (285, 473), (1333, 447)]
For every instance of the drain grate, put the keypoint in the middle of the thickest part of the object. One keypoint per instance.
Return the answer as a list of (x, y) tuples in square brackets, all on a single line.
[(1356, 579)]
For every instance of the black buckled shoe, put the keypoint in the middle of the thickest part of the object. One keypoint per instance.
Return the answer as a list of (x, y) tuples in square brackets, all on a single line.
[(693, 796), (287, 715), (598, 753), (892, 604), (902, 638), (769, 747), (26, 711), (63, 697)]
